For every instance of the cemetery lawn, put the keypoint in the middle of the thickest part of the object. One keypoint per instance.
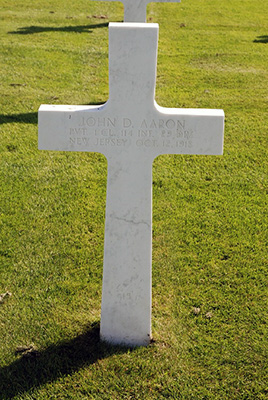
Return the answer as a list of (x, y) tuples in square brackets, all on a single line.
[(209, 322)]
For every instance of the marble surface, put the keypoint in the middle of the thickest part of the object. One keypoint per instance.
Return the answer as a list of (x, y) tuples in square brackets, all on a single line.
[(135, 10), (130, 129)]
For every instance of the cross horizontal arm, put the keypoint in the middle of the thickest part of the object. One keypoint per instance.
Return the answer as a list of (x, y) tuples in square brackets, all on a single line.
[(158, 131)]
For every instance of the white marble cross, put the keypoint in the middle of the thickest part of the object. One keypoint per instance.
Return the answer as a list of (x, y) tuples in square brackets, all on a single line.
[(135, 10), (130, 130)]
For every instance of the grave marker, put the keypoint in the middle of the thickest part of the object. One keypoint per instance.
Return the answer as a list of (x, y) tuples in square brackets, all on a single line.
[(130, 130), (135, 10)]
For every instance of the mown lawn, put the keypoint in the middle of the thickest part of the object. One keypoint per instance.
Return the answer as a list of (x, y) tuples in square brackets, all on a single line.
[(209, 213)]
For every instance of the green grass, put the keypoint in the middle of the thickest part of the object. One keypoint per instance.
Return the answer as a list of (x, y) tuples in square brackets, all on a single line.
[(209, 213)]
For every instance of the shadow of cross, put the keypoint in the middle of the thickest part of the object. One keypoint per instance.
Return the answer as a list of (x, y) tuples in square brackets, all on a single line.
[(130, 130), (135, 10)]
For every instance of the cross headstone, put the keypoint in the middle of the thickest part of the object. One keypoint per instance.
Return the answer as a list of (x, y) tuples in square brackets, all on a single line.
[(130, 130), (135, 10)]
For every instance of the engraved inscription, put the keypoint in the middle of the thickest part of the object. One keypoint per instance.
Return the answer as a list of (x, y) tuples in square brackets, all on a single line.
[(107, 131), (110, 142), (97, 122), (79, 141), (145, 133), (147, 143)]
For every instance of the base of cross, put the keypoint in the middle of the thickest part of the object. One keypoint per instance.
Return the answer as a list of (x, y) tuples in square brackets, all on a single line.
[(130, 130)]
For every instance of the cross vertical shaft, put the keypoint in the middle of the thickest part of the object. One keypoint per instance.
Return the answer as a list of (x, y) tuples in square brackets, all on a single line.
[(126, 294)]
